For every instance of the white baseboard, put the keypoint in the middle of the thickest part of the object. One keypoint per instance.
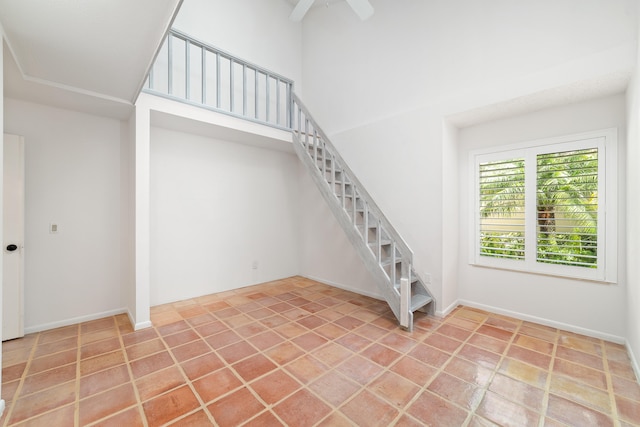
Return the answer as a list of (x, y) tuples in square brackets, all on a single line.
[(139, 325), (446, 311), (547, 322), (2, 406), (634, 360), (345, 287), (72, 321), (142, 325)]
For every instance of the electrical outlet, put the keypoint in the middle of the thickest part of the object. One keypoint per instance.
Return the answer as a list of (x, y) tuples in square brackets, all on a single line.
[(53, 228), (254, 265)]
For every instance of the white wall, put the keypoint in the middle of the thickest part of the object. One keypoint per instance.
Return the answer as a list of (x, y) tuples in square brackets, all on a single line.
[(216, 207), (593, 308), (326, 254), (72, 179), (258, 31), (411, 54), (633, 213), (401, 171)]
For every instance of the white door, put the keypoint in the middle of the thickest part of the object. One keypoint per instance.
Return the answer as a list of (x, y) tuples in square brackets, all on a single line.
[(13, 232)]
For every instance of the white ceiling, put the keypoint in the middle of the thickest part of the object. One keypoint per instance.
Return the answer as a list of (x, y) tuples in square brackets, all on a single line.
[(73, 51), (93, 56)]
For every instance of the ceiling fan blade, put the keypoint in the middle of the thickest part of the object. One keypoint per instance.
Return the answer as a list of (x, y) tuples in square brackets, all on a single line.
[(362, 8), (300, 10)]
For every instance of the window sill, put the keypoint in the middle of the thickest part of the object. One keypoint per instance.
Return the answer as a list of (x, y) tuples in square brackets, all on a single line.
[(549, 273)]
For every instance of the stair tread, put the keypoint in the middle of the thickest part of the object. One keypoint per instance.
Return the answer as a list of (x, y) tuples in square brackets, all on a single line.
[(419, 300), (382, 241), (414, 279), (388, 261)]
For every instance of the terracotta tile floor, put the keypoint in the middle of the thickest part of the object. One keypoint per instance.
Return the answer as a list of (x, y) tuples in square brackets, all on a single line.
[(296, 352)]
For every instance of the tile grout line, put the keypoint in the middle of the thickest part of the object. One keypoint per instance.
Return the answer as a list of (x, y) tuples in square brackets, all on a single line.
[(76, 410), (360, 389), (611, 393), (503, 356), (305, 386), (612, 412), (127, 362), (547, 388), (23, 377), (425, 388), (421, 388), (307, 353), (226, 364), (188, 382), (245, 384)]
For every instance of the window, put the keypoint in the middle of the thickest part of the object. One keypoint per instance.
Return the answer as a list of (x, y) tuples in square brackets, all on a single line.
[(548, 206)]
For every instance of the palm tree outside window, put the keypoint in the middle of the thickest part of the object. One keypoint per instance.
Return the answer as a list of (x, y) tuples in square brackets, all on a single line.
[(540, 206)]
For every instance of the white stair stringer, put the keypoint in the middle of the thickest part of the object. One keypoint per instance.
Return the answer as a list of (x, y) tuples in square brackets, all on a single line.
[(383, 251)]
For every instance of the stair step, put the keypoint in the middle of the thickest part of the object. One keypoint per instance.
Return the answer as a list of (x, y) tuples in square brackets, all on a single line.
[(419, 301), (370, 227), (388, 261), (384, 242), (339, 178), (414, 279)]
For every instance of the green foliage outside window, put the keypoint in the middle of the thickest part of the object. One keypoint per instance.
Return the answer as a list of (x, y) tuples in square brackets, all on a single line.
[(566, 206)]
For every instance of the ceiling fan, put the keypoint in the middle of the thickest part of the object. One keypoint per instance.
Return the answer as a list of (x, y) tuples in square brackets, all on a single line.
[(361, 7)]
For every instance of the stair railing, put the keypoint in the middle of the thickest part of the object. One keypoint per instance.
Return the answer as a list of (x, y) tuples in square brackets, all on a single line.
[(193, 72), (312, 143)]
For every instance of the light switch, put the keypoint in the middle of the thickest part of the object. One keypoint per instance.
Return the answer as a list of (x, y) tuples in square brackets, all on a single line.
[(53, 228)]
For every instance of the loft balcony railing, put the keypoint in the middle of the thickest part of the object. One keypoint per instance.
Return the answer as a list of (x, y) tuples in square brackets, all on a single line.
[(194, 72)]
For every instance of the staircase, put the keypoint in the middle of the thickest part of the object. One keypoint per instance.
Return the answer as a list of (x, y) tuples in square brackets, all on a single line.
[(190, 71), (385, 254)]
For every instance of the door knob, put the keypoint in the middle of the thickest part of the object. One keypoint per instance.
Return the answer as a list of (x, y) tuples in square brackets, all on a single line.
[(12, 248)]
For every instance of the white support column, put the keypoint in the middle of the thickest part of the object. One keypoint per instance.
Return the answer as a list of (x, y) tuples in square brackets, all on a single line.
[(142, 216)]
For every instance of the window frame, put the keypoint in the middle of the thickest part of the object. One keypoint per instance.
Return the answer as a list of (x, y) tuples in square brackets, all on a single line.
[(606, 140)]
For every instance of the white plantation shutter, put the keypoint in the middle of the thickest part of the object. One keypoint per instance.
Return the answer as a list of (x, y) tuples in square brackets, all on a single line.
[(502, 209), (540, 206), (567, 208)]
